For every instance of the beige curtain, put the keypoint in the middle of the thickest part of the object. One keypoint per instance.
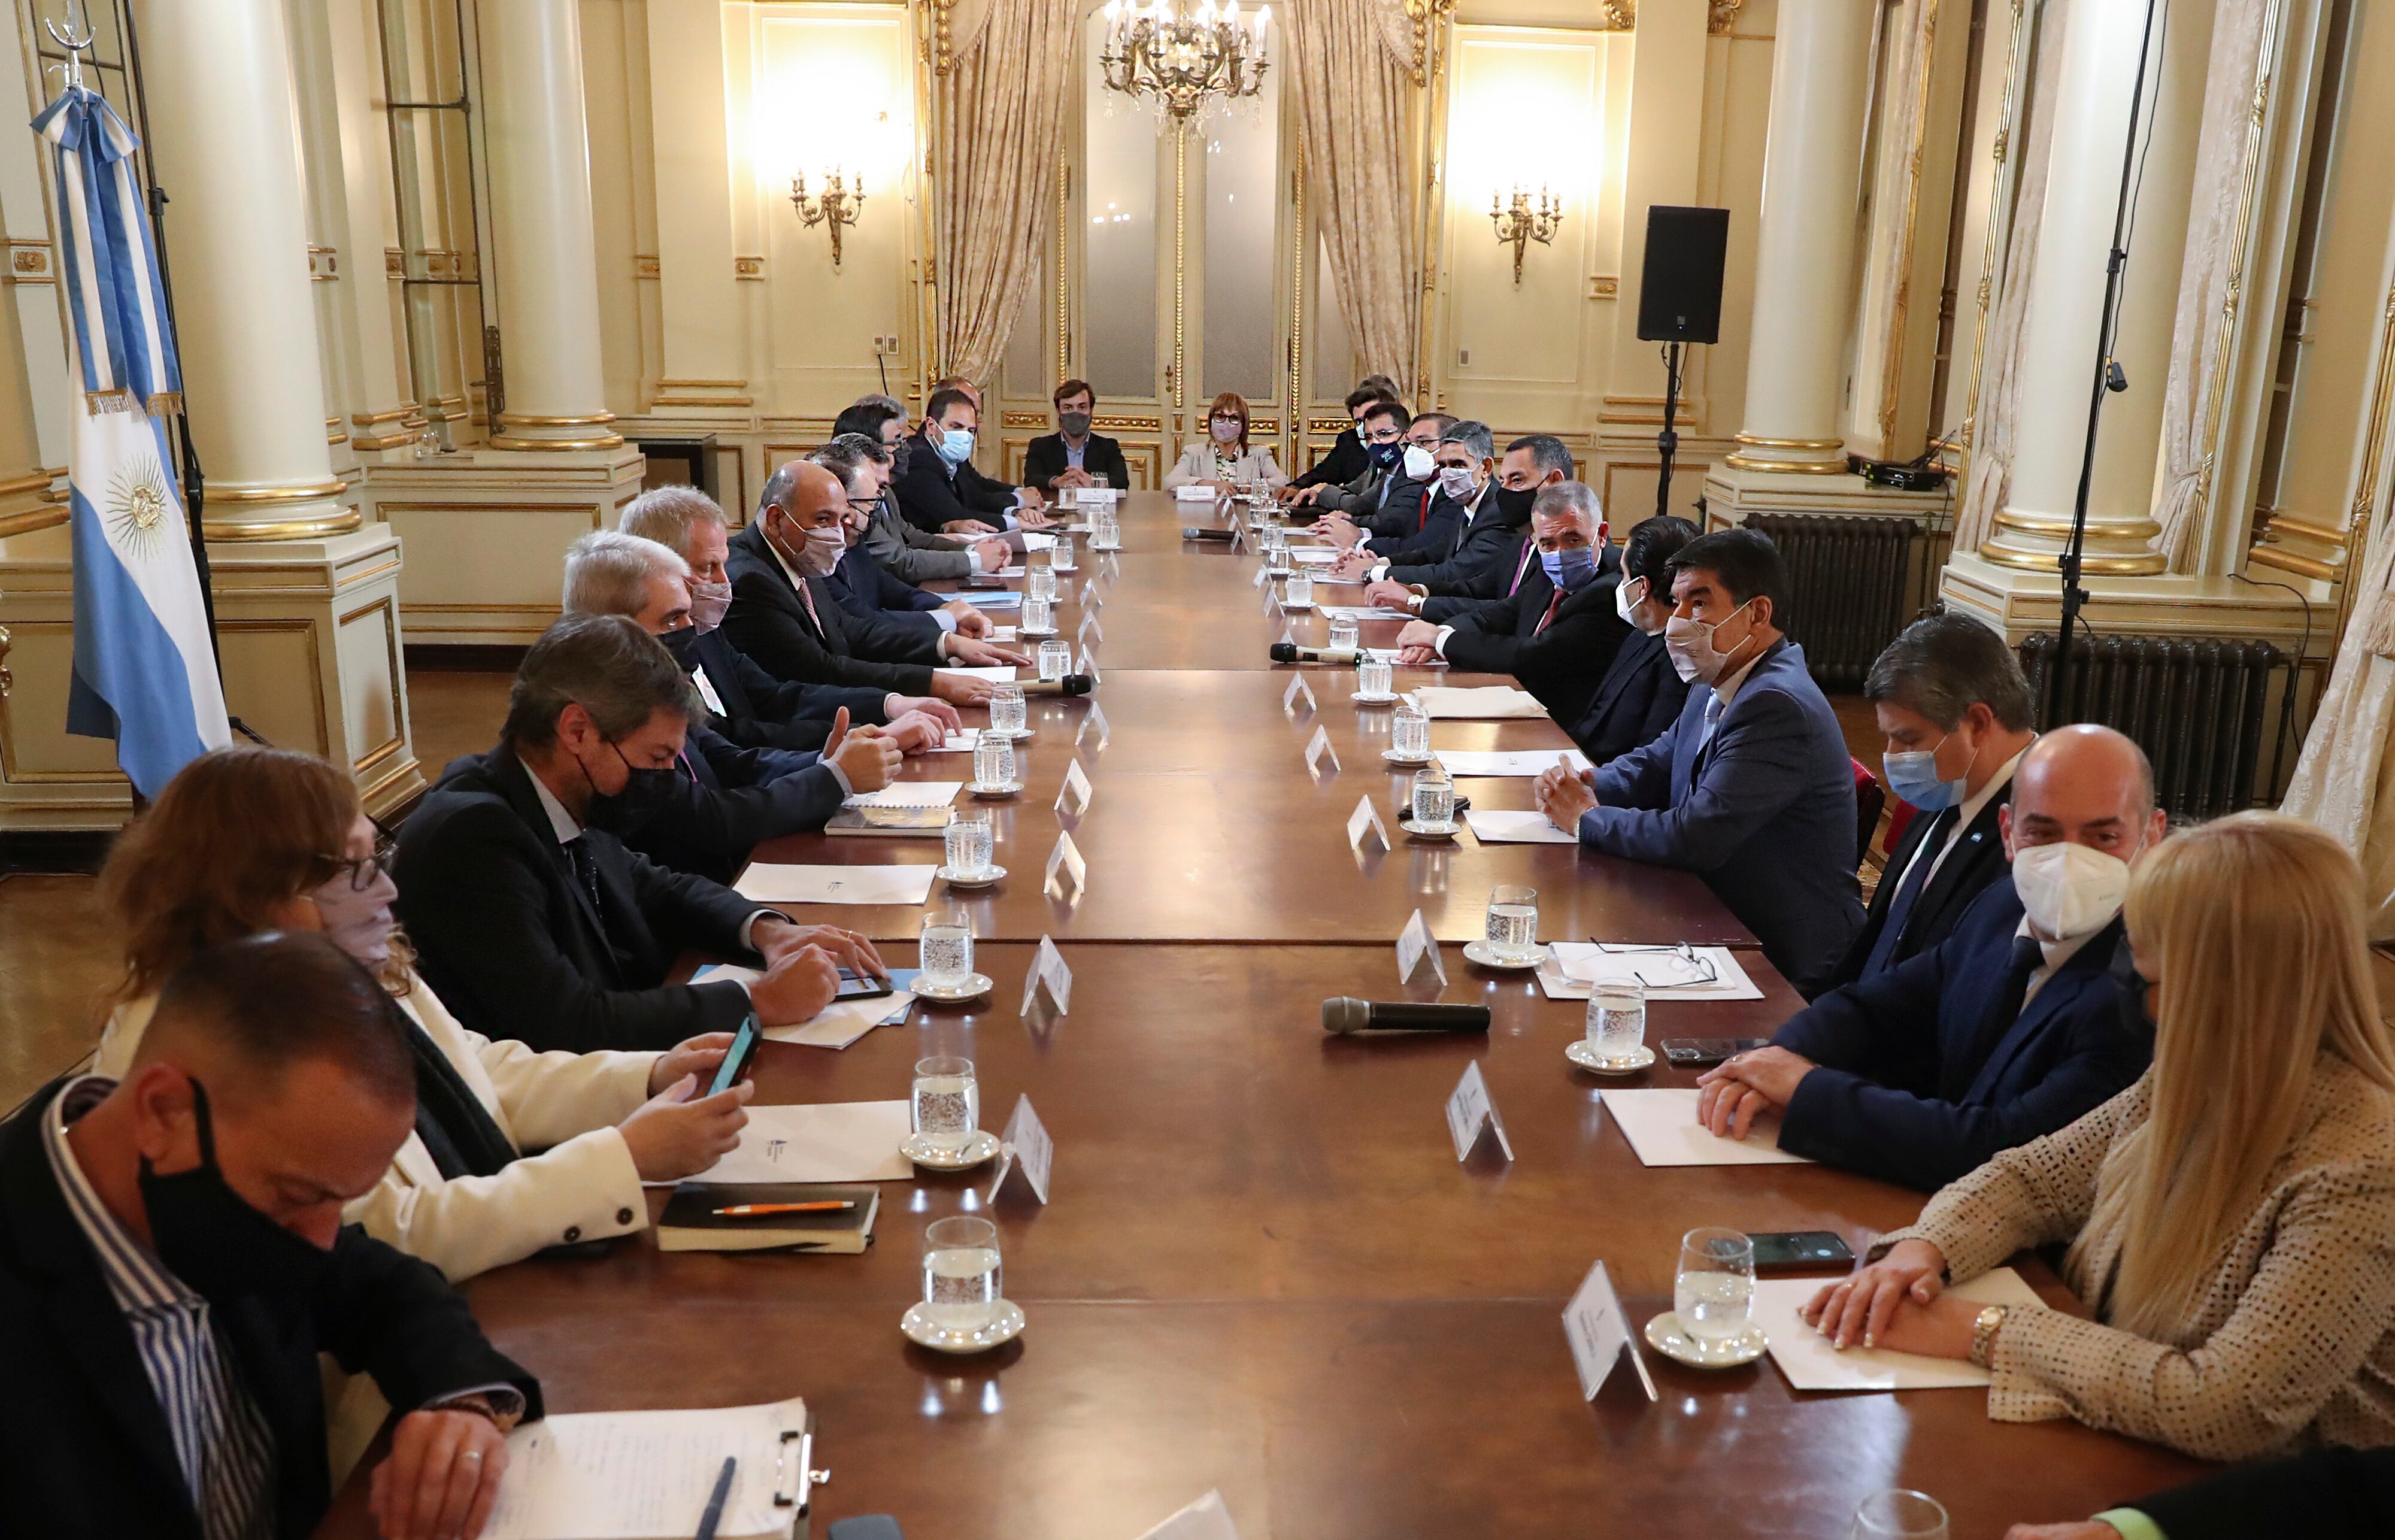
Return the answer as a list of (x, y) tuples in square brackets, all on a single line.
[(2344, 778), (1351, 62), (2214, 261), (1887, 241), (1991, 430), (997, 132)]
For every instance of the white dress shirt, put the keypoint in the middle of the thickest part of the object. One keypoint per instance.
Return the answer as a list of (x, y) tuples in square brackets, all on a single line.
[(2056, 952), (1972, 807)]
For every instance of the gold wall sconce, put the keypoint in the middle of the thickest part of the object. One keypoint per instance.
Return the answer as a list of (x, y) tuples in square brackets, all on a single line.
[(842, 199), (1518, 223)]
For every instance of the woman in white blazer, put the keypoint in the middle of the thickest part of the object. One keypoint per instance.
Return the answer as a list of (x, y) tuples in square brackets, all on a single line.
[(1224, 461)]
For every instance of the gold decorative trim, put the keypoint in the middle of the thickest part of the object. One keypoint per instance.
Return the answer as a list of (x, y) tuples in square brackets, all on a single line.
[(32, 481), (1785, 468), (1605, 285), (324, 264), (1618, 16), (2051, 561), (1333, 426), (263, 497), (1130, 424), (1064, 265), (285, 530), (398, 738), (28, 263), (1021, 420), (1754, 442), (1720, 16), (1180, 263), (748, 269), (526, 419), (399, 412), (662, 385), (1297, 300), (644, 267), (383, 441), (334, 431), (1992, 247), (2289, 524), (31, 520), (394, 262), (1892, 369), (2055, 528), (2365, 496), (2287, 561)]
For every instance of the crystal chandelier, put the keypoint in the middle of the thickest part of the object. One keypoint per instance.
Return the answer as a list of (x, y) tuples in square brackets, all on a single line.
[(1187, 66)]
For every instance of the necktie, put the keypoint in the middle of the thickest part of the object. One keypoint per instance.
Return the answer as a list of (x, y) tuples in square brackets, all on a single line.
[(585, 872), (1705, 737), (1552, 605), (806, 597), (1900, 909)]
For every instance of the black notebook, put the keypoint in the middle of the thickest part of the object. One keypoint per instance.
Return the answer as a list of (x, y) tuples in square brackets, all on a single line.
[(689, 1222)]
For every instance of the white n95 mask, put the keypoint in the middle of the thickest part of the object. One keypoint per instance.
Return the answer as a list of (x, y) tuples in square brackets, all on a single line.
[(2070, 890), (1417, 463)]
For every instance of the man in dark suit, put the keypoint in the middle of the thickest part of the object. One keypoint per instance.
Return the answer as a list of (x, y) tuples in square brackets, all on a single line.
[(1391, 486), (939, 488), (1559, 631), (1751, 788), (531, 920), (1072, 456), (1494, 551), (173, 1260), (1641, 694), (1346, 457), (2018, 1022), (860, 580), (1465, 463), (2325, 1490), (786, 618), (912, 554), (1955, 708)]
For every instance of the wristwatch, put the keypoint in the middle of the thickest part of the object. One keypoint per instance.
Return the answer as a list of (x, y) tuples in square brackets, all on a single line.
[(1984, 1328)]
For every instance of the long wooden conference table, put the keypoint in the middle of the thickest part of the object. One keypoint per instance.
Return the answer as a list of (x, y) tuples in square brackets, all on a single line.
[(1262, 1269)]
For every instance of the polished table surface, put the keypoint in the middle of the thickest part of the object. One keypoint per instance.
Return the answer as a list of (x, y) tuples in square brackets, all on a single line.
[(1262, 1269)]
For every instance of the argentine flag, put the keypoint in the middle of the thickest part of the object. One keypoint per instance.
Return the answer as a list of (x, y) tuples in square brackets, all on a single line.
[(145, 674)]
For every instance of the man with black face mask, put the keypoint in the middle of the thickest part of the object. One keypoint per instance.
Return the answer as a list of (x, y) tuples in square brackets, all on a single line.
[(1072, 456), (172, 1261)]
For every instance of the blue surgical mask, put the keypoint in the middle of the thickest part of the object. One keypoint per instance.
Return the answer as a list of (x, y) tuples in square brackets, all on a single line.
[(1570, 568), (1912, 775), (957, 445)]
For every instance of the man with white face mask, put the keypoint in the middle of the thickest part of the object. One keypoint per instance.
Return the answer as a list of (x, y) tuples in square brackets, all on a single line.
[(1463, 467), (1751, 789), (1641, 694), (1395, 478), (2011, 1028)]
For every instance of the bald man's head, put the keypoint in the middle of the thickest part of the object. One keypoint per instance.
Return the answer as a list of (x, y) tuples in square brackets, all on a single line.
[(2084, 785), (804, 512)]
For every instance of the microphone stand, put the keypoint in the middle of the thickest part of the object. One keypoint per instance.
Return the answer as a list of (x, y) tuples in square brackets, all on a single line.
[(2074, 598), (1667, 442)]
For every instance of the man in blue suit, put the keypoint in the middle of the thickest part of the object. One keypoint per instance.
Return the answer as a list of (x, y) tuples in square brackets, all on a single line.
[(1751, 788), (2017, 1024)]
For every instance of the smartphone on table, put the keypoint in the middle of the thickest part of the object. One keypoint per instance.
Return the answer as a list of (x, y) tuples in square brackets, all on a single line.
[(1799, 1251), (857, 985)]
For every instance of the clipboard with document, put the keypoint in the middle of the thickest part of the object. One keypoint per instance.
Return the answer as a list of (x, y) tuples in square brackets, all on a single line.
[(650, 1475)]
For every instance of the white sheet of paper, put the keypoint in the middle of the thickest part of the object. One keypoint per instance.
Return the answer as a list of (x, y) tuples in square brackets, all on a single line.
[(1364, 612), (1026, 1151), (1515, 826), (1205, 1519), (1572, 969), (1010, 572), (1663, 1129), (1298, 690), (907, 794), (1037, 540), (835, 884), (1366, 819), (1389, 656), (957, 743), (1318, 748), (706, 692), (994, 599), (1194, 493), (1469, 1110), (1264, 576), (825, 1142), (1599, 1329), (1000, 672), (637, 1475), (1093, 720), (1507, 762), (1810, 1363), (1415, 943), (842, 1022), (1076, 789), (1312, 555), (1446, 703)]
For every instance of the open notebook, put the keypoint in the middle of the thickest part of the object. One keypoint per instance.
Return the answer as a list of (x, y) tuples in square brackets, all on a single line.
[(648, 1475)]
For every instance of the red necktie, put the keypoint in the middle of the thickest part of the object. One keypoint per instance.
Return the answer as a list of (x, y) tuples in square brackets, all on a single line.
[(1552, 605), (1421, 514), (808, 599)]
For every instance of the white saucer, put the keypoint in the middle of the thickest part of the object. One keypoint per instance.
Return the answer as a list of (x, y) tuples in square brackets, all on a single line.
[(983, 878), (1013, 734), (1408, 759), (1579, 1053), (1665, 1335), (1036, 634), (1361, 698), (1003, 1328), (1060, 566), (991, 791), (982, 1147), (1429, 831), (973, 986), (1297, 608), (1479, 952)]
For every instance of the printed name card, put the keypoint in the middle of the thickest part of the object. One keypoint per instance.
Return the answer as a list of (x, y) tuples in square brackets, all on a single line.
[(1024, 1151), (1415, 943), (1205, 1519), (1090, 598), (1074, 796), (1264, 576), (1318, 748), (1597, 1330), (1066, 862), (1089, 631), (1048, 972), (1365, 820), (1093, 719), (1298, 690), (1471, 1115), (1088, 664)]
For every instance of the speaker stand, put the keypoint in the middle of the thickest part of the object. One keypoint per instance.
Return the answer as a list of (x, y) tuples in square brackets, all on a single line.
[(1667, 442)]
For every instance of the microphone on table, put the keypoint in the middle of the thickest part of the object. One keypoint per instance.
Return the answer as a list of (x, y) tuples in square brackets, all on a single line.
[(1219, 536), (1071, 684), (1290, 652), (1343, 1015)]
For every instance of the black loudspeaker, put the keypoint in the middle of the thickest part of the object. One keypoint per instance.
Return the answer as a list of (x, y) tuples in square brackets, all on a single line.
[(1679, 294)]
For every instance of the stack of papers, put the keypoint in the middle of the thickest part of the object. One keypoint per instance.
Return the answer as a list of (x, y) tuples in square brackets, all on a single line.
[(1810, 1363), (907, 794), (1447, 704), (1510, 826), (828, 1142), (1367, 612), (993, 599), (1513, 762), (1573, 968), (957, 743), (838, 1024), (1034, 539), (1000, 672), (1389, 656), (835, 884), (1663, 1129)]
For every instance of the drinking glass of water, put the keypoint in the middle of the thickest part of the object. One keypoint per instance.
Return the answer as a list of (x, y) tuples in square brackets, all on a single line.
[(1617, 1019), (1513, 922), (1714, 1293), (1276, 559), (1343, 631), (969, 842), (1298, 593), (947, 1101), (1410, 733), (1039, 582), (994, 761), (1007, 711), (1900, 1515), (1434, 798), (1055, 659), (963, 1282), (1371, 673), (1060, 559), (946, 950), (1038, 612)]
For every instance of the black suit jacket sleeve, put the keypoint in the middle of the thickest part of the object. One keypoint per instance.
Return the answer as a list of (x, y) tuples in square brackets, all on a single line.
[(1342, 464), (986, 494), (710, 830), (381, 1312), (1481, 568), (2323, 1490), (926, 497), (766, 712), (779, 641), (1561, 665)]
